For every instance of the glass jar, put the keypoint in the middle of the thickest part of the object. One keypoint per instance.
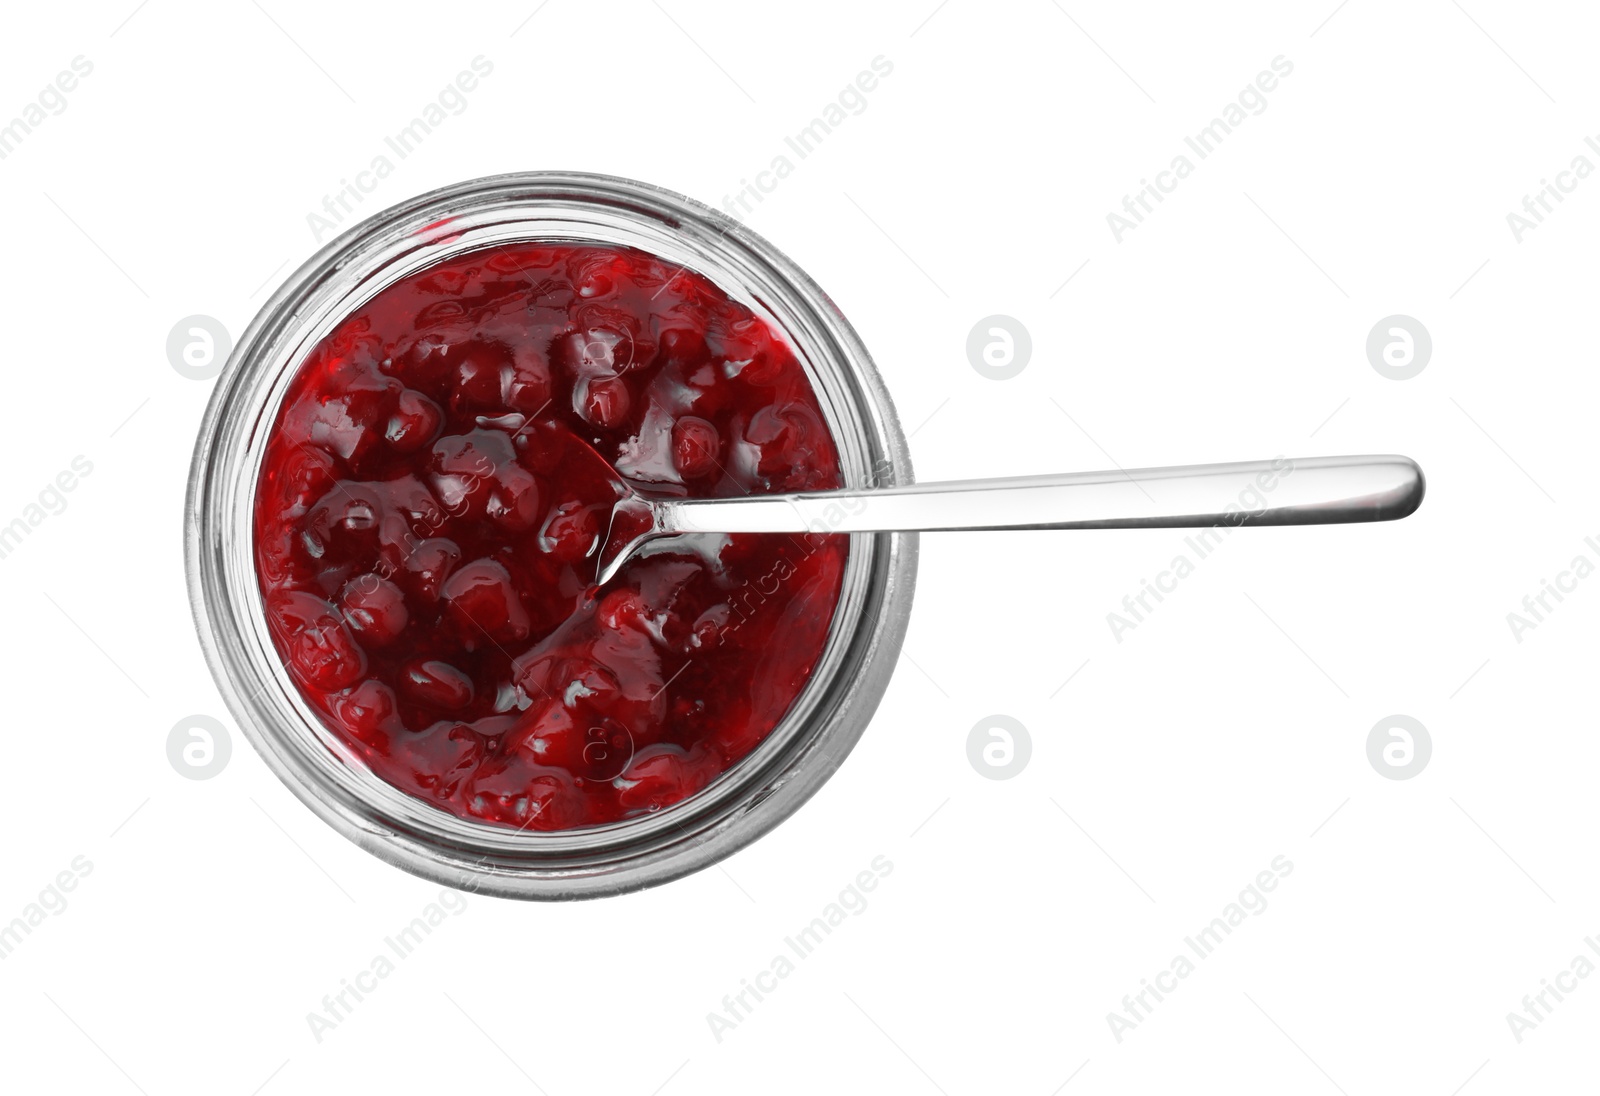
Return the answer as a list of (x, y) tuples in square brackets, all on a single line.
[(756, 793)]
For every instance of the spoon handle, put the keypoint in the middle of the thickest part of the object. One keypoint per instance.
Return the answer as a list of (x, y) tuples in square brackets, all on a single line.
[(1305, 491)]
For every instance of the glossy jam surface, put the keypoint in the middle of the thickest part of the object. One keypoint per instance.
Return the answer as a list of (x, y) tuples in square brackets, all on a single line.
[(428, 514)]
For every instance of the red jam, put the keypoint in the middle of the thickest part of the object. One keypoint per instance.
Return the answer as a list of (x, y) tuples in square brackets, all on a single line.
[(428, 517)]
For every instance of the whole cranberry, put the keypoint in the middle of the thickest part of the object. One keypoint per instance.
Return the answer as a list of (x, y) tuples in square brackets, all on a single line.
[(369, 712), (463, 468), (529, 388), (481, 378), (427, 564), (622, 608), (321, 649), (513, 502), (480, 598), (415, 422), (660, 775), (695, 447), (683, 347), (375, 609), (603, 401), (436, 684), (570, 531)]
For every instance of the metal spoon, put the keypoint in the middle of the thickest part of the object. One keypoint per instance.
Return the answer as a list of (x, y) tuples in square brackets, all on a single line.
[(1307, 491)]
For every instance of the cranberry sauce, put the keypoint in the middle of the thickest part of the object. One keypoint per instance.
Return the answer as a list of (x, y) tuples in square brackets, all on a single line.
[(428, 515)]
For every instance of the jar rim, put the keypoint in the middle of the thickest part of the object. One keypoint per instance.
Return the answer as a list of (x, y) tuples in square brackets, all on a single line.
[(754, 794)]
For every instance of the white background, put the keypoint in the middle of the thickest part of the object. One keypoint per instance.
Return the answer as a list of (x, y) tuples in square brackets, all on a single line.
[(1228, 728)]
